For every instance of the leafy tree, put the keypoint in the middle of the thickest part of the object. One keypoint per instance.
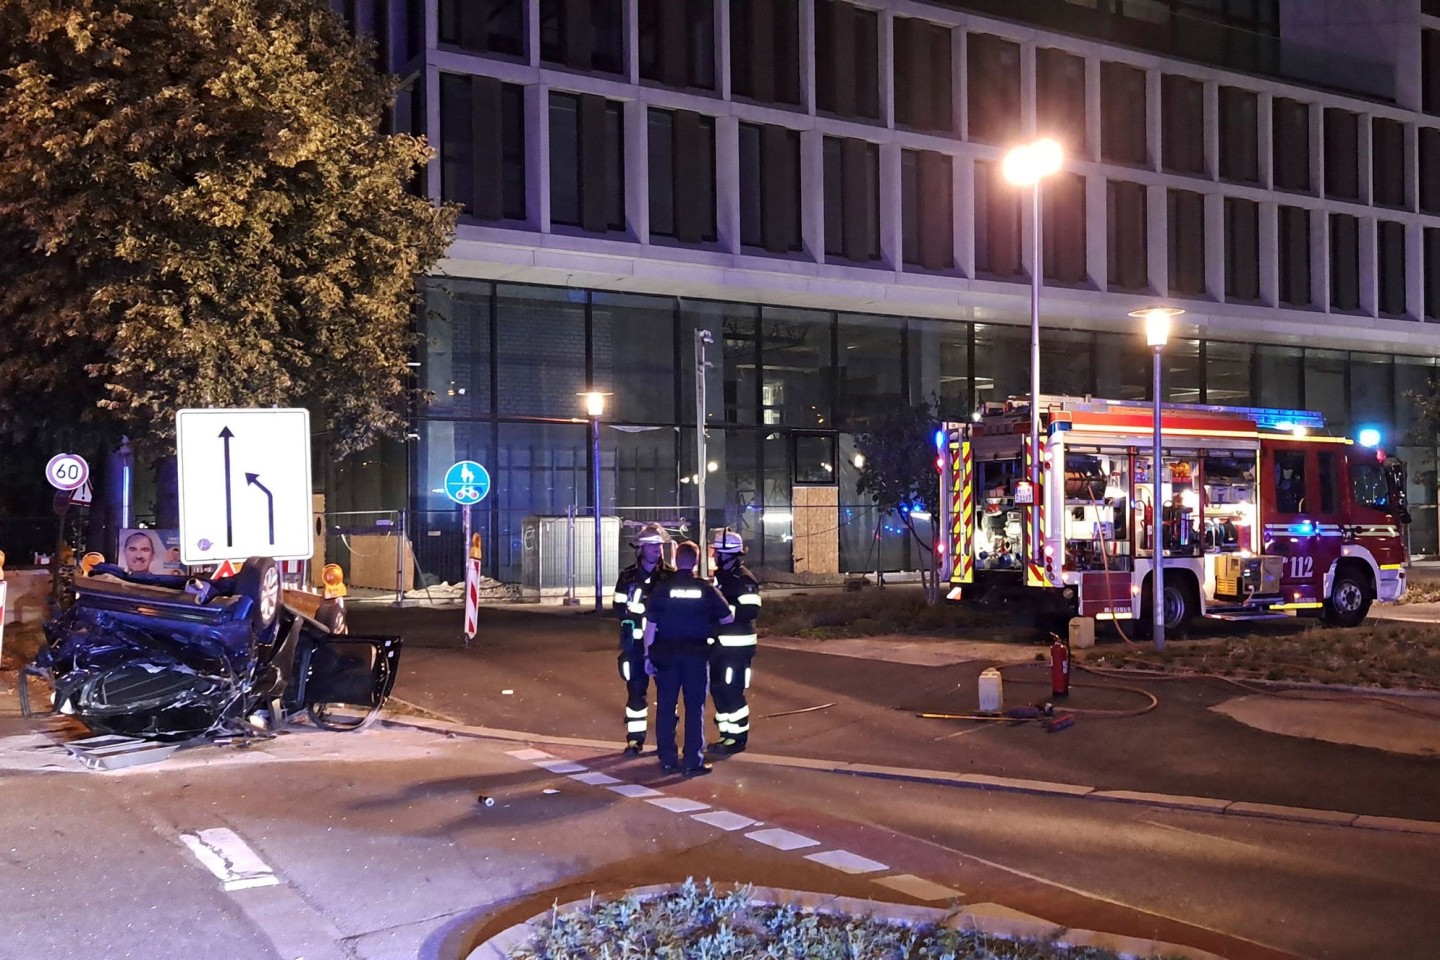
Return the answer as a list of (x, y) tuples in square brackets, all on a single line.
[(198, 207), (899, 474)]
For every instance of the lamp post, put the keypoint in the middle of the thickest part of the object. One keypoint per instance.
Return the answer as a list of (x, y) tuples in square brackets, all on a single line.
[(1157, 334), (1027, 166), (594, 409)]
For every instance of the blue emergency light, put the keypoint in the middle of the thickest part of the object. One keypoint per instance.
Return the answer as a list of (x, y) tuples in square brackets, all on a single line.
[(1368, 437)]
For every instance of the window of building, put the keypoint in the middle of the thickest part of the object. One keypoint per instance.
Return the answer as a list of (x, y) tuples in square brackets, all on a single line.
[(484, 26), (1279, 376), (1129, 269), (797, 370), (1293, 232), (1064, 234), (1372, 389), (1242, 249), (1186, 224), (1060, 98), (1290, 123), (482, 146), (682, 175), (923, 96), (677, 42), (927, 209), (1122, 114), (814, 457), (997, 223), (1182, 124), (1344, 262), (1430, 71), (847, 65), (1239, 135), (1432, 273), (587, 162), (585, 35), (1430, 169), (414, 28), (632, 352), (1325, 388), (765, 50), (993, 72), (871, 371), (1342, 154), (540, 350), (1227, 373), (852, 199), (770, 187), (1390, 250), (1387, 152)]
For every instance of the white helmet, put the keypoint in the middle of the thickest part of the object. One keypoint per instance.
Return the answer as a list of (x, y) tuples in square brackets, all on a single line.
[(650, 533), (727, 541)]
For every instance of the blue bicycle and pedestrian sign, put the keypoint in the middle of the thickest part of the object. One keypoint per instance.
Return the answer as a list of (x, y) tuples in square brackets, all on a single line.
[(467, 483)]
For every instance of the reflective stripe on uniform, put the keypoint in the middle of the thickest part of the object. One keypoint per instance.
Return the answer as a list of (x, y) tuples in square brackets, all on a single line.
[(749, 599), (637, 608), (619, 598), (729, 676), (739, 640), (747, 678), (634, 721), (740, 720), (637, 633)]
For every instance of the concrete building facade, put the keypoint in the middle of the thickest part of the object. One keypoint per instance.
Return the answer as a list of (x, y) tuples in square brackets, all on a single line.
[(817, 184)]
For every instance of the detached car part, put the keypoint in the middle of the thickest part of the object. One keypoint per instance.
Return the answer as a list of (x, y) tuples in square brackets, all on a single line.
[(175, 658)]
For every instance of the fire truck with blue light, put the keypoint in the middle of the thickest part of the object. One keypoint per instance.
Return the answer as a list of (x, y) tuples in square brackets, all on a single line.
[(1260, 515)]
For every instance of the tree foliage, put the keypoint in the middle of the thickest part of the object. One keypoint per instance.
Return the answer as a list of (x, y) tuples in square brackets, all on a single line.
[(899, 467), (198, 207)]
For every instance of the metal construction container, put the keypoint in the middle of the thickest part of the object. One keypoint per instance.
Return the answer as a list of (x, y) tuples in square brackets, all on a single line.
[(548, 550)]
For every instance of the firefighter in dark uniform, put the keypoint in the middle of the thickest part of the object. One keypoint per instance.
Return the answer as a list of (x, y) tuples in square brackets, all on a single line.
[(734, 647), (682, 615), (629, 605)]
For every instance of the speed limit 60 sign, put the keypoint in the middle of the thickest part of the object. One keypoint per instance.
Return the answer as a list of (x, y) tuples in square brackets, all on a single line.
[(67, 471)]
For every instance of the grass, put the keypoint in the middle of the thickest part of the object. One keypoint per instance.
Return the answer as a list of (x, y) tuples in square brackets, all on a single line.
[(827, 614), (698, 923), (1423, 591), (1383, 654)]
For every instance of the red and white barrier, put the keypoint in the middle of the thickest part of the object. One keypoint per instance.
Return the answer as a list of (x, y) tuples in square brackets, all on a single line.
[(472, 596), (2, 612)]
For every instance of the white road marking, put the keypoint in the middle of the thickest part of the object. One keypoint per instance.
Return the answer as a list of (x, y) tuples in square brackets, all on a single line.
[(529, 754), (847, 862), (561, 766), (634, 790), (594, 779), (913, 886), (782, 839), (679, 804), (724, 819), (232, 861)]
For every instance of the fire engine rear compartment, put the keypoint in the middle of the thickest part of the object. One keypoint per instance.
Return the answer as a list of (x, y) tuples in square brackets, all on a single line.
[(1220, 475)]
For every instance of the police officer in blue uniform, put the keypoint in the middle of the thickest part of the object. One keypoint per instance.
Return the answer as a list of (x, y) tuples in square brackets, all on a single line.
[(734, 647), (629, 605), (682, 614)]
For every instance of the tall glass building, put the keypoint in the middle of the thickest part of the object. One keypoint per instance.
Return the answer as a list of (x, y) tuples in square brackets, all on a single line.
[(817, 184)]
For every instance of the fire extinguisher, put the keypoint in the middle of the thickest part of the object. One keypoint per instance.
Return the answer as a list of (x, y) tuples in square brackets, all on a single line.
[(1059, 667)]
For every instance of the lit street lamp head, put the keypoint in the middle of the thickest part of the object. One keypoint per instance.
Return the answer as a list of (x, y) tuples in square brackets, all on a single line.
[(594, 403), (1030, 163), (1157, 323)]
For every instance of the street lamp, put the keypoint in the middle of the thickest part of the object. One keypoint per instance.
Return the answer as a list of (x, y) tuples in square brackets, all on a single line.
[(1027, 166), (594, 409), (1157, 334)]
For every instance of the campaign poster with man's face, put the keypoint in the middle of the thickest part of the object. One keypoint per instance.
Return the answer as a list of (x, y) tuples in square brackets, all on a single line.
[(150, 551)]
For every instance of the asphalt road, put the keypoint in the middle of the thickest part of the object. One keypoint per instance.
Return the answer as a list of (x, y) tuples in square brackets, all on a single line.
[(375, 848)]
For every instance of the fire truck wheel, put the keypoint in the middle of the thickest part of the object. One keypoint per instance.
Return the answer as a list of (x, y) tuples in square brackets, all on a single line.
[(1349, 600), (1179, 607)]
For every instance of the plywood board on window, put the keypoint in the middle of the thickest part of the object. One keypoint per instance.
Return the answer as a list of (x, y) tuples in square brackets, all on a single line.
[(816, 523)]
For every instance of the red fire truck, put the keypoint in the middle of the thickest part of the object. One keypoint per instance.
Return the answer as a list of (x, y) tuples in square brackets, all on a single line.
[(1259, 515)]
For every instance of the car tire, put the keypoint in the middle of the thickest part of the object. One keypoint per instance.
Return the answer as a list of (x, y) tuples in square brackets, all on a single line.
[(1349, 600), (259, 579), (331, 616)]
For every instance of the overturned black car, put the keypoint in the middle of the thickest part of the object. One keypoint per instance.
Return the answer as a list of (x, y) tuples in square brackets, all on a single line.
[(174, 658)]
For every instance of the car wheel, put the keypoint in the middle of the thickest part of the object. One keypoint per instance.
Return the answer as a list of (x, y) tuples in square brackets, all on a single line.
[(341, 717), (259, 579), (331, 616), (1349, 600)]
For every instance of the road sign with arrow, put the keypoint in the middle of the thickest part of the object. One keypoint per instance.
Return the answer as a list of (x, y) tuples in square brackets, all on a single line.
[(245, 487)]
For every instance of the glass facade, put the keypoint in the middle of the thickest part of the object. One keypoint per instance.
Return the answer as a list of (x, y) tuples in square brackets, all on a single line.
[(501, 367)]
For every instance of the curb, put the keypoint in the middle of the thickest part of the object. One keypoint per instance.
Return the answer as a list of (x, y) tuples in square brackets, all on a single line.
[(988, 918), (975, 781)]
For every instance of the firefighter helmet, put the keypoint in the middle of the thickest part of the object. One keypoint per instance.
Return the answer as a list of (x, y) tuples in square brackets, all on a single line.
[(650, 533), (727, 541)]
